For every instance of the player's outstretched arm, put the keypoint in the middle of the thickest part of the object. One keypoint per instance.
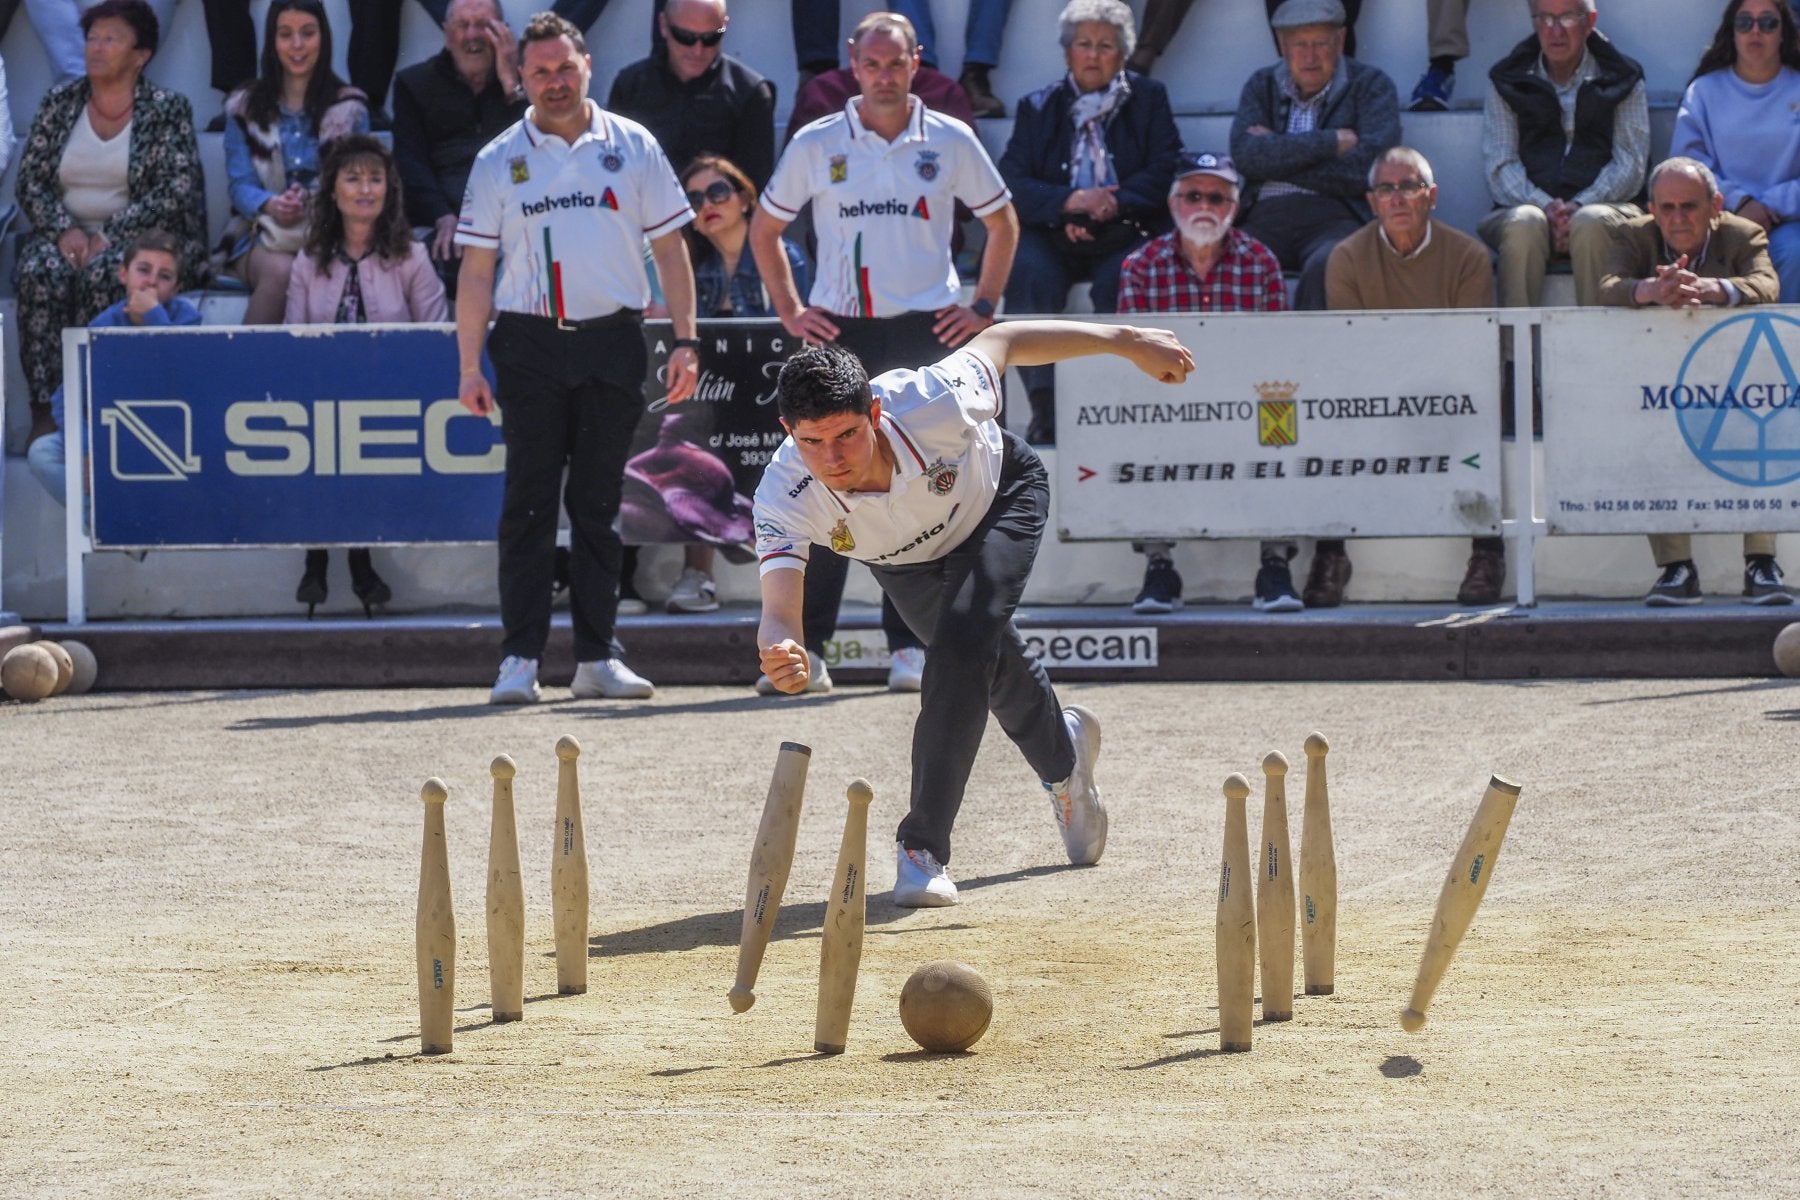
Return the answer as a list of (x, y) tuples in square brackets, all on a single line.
[(1156, 352), (778, 635)]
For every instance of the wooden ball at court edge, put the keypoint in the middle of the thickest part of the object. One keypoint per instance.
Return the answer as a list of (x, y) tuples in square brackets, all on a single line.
[(28, 672), (87, 668), (1787, 651), (65, 666), (946, 1006)]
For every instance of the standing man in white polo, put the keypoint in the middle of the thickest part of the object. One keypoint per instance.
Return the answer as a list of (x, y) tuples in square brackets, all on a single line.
[(561, 204), (883, 178)]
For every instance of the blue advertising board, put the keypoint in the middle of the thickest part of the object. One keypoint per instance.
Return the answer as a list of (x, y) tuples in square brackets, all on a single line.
[(334, 435)]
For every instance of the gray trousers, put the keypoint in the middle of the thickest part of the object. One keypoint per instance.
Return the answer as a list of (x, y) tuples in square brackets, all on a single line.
[(962, 606)]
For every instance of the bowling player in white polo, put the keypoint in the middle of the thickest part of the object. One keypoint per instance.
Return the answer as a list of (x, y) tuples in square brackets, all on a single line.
[(560, 205), (913, 474)]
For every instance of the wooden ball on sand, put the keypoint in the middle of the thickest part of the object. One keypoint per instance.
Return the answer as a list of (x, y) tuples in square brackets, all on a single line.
[(87, 668), (65, 666), (28, 672), (946, 1006), (1787, 651)]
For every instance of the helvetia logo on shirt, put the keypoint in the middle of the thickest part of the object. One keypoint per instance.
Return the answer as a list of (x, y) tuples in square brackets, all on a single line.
[(573, 200), (884, 208)]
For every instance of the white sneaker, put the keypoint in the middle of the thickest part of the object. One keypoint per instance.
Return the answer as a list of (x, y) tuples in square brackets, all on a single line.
[(517, 683), (907, 674), (695, 592), (818, 680), (920, 880), (610, 679), (631, 606), (1076, 801)]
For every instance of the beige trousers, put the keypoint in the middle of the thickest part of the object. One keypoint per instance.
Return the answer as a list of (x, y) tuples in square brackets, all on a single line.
[(1679, 547), (1447, 28), (1522, 236)]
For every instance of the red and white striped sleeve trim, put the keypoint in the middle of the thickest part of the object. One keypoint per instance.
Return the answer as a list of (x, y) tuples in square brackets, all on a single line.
[(994, 204)]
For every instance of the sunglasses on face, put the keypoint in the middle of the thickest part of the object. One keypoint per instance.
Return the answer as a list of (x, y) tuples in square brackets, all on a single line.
[(717, 192), (1767, 23), (688, 37), (1408, 188), (1210, 199)]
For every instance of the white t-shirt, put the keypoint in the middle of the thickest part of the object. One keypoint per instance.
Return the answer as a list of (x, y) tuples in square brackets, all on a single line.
[(570, 221), (941, 422), (884, 211)]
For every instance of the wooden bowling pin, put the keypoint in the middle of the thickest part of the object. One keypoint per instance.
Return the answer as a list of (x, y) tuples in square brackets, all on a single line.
[(1275, 896), (1461, 894), (569, 875), (1318, 876), (1234, 931), (435, 939), (840, 942), (505, 902)]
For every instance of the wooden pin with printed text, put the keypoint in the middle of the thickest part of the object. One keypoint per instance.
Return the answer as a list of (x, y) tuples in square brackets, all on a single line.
[(569, 875), (1234, 927), (841, 937), (1275, 896), (1318, 877), (505, 901), (435, 935), (771, 858)]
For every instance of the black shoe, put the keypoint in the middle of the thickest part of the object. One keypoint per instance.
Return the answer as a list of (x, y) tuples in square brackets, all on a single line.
[(1161, 592), (982, 101), (312, 590), (369, 587), (1042, 429), (1679, 584), (1275, 588), (1329, 576), (1484, 578), (1762, 581)]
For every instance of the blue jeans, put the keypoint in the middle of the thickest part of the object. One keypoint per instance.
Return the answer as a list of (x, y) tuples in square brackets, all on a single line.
[(1040, 281), (45, 457), (1784, 248), (981, 32)]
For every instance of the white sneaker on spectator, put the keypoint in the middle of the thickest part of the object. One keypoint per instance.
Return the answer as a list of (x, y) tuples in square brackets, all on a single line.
[(610, 679), (818, 680), (920, 881), (517, 683), (632, 606), (1080, 816), (695, 592), (907, 673)]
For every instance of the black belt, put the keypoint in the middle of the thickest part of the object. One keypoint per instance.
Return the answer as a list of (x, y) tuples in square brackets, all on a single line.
[(624, 316)]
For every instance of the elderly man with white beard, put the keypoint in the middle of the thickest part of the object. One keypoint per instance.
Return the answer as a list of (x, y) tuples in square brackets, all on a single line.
[(1204, 265)]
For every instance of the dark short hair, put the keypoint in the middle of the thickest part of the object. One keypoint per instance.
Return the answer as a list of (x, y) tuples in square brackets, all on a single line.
[(154, 239), (822, 381), (134, 13), (547, 27)]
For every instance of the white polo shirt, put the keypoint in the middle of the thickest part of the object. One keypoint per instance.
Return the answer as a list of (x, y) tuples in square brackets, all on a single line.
[(941, 422), (884, 211), (570, 221)]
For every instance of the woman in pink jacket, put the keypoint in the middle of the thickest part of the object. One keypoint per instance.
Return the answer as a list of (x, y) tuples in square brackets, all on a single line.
[(360, 265)]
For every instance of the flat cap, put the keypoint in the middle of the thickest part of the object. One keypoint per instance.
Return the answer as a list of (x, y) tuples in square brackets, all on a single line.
[(1294, 13)]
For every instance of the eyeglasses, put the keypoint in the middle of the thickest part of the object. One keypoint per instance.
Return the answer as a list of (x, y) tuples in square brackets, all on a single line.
[(1211, 199), (1767, 23), (717, 192), (1406, 187), (1566, 21), (688, 37)]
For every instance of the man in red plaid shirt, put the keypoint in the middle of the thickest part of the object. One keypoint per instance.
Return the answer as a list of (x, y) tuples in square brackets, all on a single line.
[(1205, 265)]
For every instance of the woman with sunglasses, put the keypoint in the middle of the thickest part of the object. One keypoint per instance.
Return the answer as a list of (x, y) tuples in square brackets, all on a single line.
[(726, 284), (1737, 117)]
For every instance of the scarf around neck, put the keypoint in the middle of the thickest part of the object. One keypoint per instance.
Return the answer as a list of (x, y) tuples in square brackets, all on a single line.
[(1090, 162)]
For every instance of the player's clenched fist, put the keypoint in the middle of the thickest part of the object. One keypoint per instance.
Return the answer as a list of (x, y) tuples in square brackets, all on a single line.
[(1160, 355), (786, 665)]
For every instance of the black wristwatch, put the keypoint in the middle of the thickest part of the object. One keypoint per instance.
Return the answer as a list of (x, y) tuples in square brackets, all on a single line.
[(983, 309), (691, 343)]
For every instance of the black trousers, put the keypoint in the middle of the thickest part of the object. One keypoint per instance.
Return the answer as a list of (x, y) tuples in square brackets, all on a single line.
[(977, 662), (567, 399), (1301, 231), (883, 344)]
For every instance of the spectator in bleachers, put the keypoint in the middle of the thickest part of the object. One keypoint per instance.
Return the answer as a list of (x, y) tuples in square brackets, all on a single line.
[(696, 99), (108, 156), (1406, 258), (1447, 43), (886, 286), (1089, 166), (150, 274), (983, 26), (1162, 18), (1306, 131), (1731, 120), (59, 28), (360, 265), (278, 127), (726, 284), (445, 110), (1566, 140), (1204, 265), (1688, 253)]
